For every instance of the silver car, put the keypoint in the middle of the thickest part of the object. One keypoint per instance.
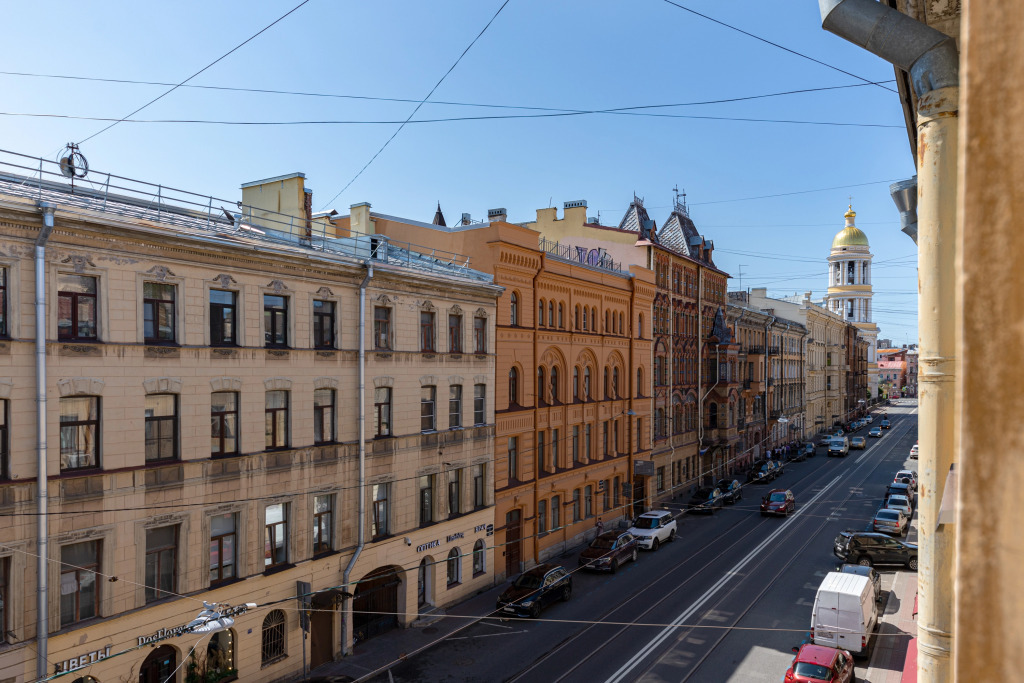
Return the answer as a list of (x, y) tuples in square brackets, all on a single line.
[(901, 503), (890, 521)]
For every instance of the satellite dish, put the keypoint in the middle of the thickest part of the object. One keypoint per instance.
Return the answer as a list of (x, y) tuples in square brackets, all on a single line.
[(72, 162)]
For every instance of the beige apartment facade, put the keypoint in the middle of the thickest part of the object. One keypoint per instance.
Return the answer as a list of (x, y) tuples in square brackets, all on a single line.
[(203, 439)]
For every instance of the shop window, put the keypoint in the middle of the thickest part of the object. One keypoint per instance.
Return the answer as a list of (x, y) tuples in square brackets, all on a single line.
[(479, 558), (381, 523), (220, 658), (454, 567)]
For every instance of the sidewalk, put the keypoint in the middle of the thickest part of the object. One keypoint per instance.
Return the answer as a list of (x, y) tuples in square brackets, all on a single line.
[(897, 625)]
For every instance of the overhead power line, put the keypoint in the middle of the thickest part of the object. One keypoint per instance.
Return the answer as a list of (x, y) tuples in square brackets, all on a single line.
[(172, 89), (774, 44), (788, 194), (417, 108)]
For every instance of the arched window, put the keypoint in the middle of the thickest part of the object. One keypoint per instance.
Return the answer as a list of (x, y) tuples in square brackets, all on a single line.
[(576, 383), (593, 319), (677, 416), (513, 309), (607, 384), (850, 271), (640, 326), (586, 384), (660, 425), (479, 557), (576, 319), (554, 384), (513, 387), (272, 647), (454, 567), (540, 386), (607, 327), (220, 655), (615, 382), (585, 311), (540, 313), (561, 322), (551, 314), (639, 382)]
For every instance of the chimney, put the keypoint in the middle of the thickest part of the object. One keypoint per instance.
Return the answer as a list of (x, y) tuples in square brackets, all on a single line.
[(575, 212), (497, 215), (466, 219), (307, 210), (360, 218)]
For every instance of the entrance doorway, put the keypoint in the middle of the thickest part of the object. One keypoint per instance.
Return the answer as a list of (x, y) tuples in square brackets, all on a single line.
[(321, 629), (159, 665), (639, 495), (375, 607), (513, 544), (425, 583)]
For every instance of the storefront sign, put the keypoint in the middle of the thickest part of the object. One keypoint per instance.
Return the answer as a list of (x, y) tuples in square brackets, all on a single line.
[(643, 468), (81, 661), (489, 528), (456, 536), (175, 631), (427, 546)]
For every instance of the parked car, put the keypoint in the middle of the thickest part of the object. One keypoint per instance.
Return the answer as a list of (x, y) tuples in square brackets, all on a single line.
[(705, 499), (653, 528), (778, 502), (731, 490), (870, 418), (901, 503), (823, 441), (858, 442), (913, 452), (820, 664), (609, 550), (809, 449), (906, 477), (872, 548), (886, 424), (890, 521), (535, 589), (876, 432), (763, 472), (873, 576), (901, 489)]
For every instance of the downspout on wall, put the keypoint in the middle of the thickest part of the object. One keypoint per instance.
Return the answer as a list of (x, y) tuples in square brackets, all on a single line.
[(932, 60), (361, 524), (42, 525)]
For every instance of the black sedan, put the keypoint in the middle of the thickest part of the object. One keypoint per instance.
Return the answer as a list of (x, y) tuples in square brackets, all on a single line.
[(533, 590), (731, 490), (609, 550), (706, 499)]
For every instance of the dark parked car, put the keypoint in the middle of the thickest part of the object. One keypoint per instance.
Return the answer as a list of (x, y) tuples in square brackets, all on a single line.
[(705, 499), (886, 424), (731, 490), (778, 502), (763, 471), (901, 489), (533, 590), (609, 550), (876, 578), (870, 548), (809, 449)]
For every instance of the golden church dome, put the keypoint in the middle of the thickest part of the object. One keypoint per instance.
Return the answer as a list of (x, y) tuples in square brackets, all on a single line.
[(851, 235)]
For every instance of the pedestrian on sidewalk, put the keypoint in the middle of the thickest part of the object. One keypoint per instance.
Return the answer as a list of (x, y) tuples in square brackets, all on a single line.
[(600, 526)]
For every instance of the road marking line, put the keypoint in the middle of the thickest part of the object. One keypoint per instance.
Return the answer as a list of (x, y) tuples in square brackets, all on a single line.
[(857, 461), (645, 651), (488, 635)]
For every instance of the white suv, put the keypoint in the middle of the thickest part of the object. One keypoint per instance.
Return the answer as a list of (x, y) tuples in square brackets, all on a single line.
[(654, 528)]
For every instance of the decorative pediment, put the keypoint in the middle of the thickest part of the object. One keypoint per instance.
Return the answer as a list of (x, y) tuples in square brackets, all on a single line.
[(427, 306), (325, 291), (384, 381), (428, 381), (481, 313), (455, 310), (277, 286), (79, 262), (162, 385), (325, 383), (225, 280), (80, 386), (226, 384), (385, 300), (277, 384), (160, 272)]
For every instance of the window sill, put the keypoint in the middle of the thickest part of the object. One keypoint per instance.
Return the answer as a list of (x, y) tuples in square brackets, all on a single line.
[(221, 584), (454, 585), (161, 342), (273, 661), (278, 568)]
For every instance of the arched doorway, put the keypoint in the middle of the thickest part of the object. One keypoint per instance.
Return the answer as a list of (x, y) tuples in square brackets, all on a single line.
[(375, 607), (159, 665), (513, 544), (425, 583)]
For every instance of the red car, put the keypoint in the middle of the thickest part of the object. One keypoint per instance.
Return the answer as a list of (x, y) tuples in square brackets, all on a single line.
[(821, 665), (778, 502)]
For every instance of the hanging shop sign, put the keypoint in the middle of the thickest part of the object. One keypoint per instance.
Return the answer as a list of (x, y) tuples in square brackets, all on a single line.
[(175, 631)]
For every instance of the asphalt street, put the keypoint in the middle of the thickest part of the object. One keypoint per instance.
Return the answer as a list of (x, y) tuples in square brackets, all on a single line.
[(725, 602)]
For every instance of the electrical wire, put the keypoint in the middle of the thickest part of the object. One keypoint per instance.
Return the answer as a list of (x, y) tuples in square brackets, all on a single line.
[(417, 108), (789, 194), (774, 44), (223, 56)]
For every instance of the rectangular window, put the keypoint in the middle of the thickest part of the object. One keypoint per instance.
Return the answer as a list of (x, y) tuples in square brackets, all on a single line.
[(661, 479), (79, 590), (454, 492), (428, 413), (276, 419), (454, 406), (223, 541), (575, 445), (5, 457), (640, 431), (161, 562), (381, 328), (161, 427), (323, 416), (513, 458), (323, 324), (615, 439), (222, 318), (79, 432), (542, 517), (479, 482), (606, 503), (223, 423), (616, 492), (323, 523), (381, 525), (554, 449), (76, 307), (479, 404), (556, 512), (588, 501), (426, 499), (4, 331), (5, 593), (382, 411), (275, 321), (455, 334), (541, 445), (576, 505), (480, 335), (604, 437), (158, 312), (427, 331), (587, 453), (275, 539)]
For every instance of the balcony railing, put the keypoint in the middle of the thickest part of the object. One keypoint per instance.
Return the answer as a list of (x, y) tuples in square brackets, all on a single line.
[(755, 349)]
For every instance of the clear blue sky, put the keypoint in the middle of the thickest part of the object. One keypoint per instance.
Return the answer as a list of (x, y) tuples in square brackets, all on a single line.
[(570, 54)]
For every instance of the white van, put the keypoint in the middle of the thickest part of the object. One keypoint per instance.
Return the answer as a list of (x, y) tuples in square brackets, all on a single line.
[(838, 445), (844, 614)]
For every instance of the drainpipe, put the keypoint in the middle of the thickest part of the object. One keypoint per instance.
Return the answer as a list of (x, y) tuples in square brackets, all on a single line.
[(42, 526), (361, 526), (767, 364), (931, 58)]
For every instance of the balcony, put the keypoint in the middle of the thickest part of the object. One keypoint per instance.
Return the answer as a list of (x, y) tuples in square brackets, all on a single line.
[(771, 381), (754, 350), (773, 350)]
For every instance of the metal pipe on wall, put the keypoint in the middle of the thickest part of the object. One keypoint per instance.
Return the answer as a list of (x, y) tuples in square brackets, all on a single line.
[(42, 526)]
